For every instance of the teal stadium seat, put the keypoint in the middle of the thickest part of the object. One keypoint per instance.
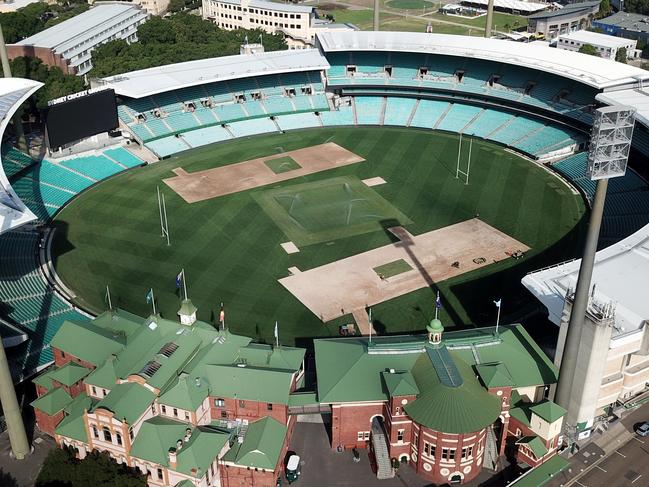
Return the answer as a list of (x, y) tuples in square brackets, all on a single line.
[(398, 111)]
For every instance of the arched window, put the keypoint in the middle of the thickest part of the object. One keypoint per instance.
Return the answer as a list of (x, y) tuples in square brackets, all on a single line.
[(95, 432), (107, 435), (119, 439)]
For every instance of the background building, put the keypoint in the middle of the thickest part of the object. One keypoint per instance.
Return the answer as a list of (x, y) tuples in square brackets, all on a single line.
[(551, 23), (624, 24), (607, 46), (298, 23), (69, 44)]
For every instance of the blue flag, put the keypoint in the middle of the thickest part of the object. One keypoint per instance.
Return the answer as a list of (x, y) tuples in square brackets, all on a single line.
[(149, 296), (438, 301), (179, 278)]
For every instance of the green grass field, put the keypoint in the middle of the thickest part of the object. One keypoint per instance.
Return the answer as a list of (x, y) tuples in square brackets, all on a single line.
[(409, 4), (230, 246)]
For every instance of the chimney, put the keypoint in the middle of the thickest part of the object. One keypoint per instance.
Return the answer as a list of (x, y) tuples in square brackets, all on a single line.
[(179, 444), (188, 434), (173, 461)]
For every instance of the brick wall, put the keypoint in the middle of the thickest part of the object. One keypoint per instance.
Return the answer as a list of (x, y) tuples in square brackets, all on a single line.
[(45, 54), (46, 423), (250, 410), (348, 420), (61, 358)]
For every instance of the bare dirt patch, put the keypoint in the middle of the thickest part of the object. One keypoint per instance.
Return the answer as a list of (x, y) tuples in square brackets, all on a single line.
[(219, 181)]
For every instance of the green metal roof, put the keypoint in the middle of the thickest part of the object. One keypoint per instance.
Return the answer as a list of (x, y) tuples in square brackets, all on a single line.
[(90, 343), (303, 399), (251, 383), (452, 409), (186, 393), (400, 383), (435, 326), (158, 434), (541, 475), (261, 447), (535, 444), (73, 426), (127, 401), (549, 411), (283, 358), (45, 379), (53, 402), (187, 307), (119, 321), (103, 376), (494, 375), (70, 373)]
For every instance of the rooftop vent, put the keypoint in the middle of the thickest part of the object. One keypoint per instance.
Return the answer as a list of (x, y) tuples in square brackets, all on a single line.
[(168, 349), (150, 368)]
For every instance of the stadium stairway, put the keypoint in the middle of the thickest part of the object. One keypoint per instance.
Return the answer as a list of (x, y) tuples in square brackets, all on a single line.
[(29, 302)]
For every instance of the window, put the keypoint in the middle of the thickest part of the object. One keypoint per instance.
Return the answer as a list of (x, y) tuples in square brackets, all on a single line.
[(360, 436), (175, 412), (107, 435), (448, 453), (429, 450), (467, 452), (95, 432), (400, 435), (416, 439), (269, 406), (366, 435), (62, 354), (397, 410), (130, 434), (159, 474), (94, 391), (186, 416), (163, 408), (242, 404), (119, 439), (224, 414)]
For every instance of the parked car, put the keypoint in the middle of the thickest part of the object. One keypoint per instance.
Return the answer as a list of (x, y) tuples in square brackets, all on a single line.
[(293, 469), (642, 429)]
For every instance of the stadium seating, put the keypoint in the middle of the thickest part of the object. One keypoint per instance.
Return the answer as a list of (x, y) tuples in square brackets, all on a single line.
[(29, 301), (254, 126), (343, 116), (428, 113), (123, 157), (398, 111), (14, 161), (486, 123), (369, 109), (297, 121), (458, 117), (95, 167), (515, 130), (167, 145), (205, 136)]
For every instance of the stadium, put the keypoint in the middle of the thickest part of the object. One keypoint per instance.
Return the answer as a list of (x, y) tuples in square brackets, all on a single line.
[(294, 191)]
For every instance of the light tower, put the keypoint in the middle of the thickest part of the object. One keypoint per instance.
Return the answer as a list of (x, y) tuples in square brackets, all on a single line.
[(589, 323), (21, 142), (376, 15), (489, 21)]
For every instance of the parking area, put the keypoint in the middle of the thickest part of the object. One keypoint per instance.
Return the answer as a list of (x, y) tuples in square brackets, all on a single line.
[(323, 467), (628, 465)]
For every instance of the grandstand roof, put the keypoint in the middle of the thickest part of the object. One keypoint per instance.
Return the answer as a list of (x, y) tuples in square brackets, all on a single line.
[(570, 9), (83, 27), (591, 70), (519, 5), (145, 82), (636, 98), (619, 276), (13, 92)]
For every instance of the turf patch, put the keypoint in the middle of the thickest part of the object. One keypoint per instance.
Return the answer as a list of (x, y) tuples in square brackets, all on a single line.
[(410, 4), (282, 164), (330, 209), (392, 269)]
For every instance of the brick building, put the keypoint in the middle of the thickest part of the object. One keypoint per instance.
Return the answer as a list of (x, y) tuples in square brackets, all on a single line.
[(184, 403), (448, 407)]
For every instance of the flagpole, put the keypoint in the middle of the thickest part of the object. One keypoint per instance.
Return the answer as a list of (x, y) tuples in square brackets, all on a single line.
[(153, 301), (110, 304), (498, 316), (162, 231), (370, 320), (184, 283), (276, 335), (437, 306)]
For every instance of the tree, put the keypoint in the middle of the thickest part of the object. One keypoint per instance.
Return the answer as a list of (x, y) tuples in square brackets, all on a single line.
[(61, 468), (637, 6), (621, 55), (604, 9), (588, 49)]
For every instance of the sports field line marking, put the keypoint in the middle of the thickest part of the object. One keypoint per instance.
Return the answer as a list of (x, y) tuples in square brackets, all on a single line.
[(639, 441), (597, 466), (579, 483), (623, 456), (330, 139)]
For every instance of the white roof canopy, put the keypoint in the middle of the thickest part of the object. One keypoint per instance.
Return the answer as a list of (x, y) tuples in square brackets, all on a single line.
[(636, 98), (620, 276), (145, 82), (521, 6), (591, 70), (13, 92)]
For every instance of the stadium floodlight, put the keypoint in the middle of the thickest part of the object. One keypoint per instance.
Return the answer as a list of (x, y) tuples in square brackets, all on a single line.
[(607, 158), (610, 142)]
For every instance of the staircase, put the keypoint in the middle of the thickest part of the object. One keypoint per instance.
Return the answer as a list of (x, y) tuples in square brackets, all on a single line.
[(384, 468), (491, 450)]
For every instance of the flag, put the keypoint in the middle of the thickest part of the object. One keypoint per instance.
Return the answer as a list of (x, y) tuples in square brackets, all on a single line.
[(222, 314), (276, 333), (497, 303), (149, 296), (438, 301), (107, 296), (179, 279)]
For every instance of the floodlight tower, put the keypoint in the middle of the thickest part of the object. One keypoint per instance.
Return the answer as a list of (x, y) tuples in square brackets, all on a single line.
[(607, 158), (376, 15), (489, 21), (6, 72)]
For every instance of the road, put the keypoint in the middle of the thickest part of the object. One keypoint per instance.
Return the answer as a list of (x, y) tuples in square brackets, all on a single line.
[(626, 465)]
